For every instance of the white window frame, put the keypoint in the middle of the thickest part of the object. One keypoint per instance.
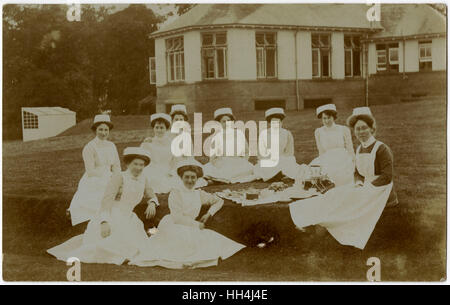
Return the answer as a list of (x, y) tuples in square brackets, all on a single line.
[(425, 46), (261, 67), (215, 48), (178, 61), (152, 70)]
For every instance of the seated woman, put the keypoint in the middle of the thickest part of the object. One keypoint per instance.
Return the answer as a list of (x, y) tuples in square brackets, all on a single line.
[(350, 212), (159, 172), (178, 113), (115, 234), (101, 160), (287, 165), (181, 240), (335, 146), (222, 167)]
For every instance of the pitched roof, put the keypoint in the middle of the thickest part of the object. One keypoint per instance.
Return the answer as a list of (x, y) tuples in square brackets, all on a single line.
[(352, 16), (410, 20), (47, 110)]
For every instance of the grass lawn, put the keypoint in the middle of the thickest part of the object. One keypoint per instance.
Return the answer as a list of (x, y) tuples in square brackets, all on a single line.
[(40, 177)]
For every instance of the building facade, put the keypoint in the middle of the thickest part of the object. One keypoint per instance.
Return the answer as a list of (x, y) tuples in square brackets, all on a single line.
[(252, 57)]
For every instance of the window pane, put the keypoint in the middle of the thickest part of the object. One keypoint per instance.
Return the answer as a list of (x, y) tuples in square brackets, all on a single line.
[(324, 40), (428, 52), (270, 62), (221, 39), (422, 52), (260, 62), (356, 63), (315, 41), (325, 63), (348, 63), (171, 67), (393, 56), (315, 62), (270, 38), (260, 39), (210, 66), (347, 41), (207, 39), (356, 42), (220, 63)]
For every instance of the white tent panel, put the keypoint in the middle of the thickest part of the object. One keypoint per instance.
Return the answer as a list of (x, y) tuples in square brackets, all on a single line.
[(45, 122)]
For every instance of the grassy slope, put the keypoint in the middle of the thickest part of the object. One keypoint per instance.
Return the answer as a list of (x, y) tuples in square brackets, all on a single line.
[(40, 177)]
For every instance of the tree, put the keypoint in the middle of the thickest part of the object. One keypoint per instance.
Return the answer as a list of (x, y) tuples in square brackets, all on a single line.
[(100, 62)]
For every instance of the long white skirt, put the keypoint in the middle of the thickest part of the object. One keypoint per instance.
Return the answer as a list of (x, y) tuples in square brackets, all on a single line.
[(338, 165), (230, 169), (87, 200), (177, 246), (349, 213), (126, 238), (287, 165)]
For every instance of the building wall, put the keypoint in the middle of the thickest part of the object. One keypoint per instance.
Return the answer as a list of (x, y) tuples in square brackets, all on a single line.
[(242, 89), (241, 54), (337, 55), (286, 54), (192, 57), (439, 54), (394, 88), (411, 56), (304, 64), (160, 58)]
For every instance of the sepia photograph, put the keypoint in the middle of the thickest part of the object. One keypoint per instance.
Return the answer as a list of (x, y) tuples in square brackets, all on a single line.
[(300, 142)]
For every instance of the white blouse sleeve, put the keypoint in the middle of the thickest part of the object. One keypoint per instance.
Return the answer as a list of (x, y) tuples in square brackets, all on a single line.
[(116, 162), (89, 161), (177, 213), (213, 201), (318, 143), (348, 140)]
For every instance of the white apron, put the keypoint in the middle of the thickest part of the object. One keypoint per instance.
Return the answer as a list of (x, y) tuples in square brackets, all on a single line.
[(179, 246), (348, 212), (88, 197), (127, 231)]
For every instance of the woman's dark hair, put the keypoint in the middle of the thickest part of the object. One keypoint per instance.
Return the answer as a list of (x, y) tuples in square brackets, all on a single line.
[(222, 115), (279, 116), (159, 120), (370, 121), (94, 126), (198, 170), (182, 113), (129, 158), (329, 113)]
